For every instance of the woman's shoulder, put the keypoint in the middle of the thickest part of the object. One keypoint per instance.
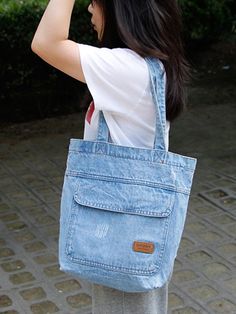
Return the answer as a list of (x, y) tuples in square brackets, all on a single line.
[(129, 64), (121, 58), (127, 57), (114, 77), (126, 52)]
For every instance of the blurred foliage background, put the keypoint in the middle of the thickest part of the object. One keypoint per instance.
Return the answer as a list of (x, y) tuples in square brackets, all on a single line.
[(31, 89)]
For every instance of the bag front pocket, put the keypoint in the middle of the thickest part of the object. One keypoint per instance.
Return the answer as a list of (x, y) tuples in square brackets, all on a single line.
[(119, 225)]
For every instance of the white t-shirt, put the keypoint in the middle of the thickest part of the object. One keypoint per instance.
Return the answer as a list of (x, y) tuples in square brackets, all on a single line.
[(119, 82)]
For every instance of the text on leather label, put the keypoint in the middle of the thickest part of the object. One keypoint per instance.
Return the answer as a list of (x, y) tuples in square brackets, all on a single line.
[(143, 247)]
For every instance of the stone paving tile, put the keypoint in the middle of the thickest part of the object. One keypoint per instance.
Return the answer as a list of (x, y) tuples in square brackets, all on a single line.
[(204, 279)]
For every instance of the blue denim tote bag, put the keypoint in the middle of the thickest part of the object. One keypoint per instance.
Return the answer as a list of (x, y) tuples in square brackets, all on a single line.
[(123, 208)]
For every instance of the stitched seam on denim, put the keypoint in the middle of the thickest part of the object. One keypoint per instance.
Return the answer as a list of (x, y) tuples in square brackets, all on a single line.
[(110, 267), (125, 211), (137, 156), (166, 232), (109, 207), (163, 241), (115, 146), (150, 159), (132, 181)]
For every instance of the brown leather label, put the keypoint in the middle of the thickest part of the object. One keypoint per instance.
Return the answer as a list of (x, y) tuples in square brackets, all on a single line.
[(143, 247)]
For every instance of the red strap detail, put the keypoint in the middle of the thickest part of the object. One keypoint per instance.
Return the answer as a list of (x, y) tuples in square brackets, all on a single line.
[(90, 112)]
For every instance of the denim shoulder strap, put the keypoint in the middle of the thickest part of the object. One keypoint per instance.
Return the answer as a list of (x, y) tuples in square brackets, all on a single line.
[(157, 83)]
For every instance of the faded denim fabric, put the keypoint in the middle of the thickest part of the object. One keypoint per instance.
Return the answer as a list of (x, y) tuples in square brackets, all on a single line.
[(115, 195)]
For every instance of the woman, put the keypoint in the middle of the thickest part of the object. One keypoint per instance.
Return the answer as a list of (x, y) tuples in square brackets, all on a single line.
[(117, 77)]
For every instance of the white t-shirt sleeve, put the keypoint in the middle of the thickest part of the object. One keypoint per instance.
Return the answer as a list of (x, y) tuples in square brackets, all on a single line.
[(114, 77)]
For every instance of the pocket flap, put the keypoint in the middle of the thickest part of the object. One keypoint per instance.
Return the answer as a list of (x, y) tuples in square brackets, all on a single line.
[(126, 196)]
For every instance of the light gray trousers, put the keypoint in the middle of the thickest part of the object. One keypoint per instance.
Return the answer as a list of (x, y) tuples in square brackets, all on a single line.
[(110, 301)]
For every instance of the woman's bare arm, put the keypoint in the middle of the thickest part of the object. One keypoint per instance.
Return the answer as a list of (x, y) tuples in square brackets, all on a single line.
[(51, 41)]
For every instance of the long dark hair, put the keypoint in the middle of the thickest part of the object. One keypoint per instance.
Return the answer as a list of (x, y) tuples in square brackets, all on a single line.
[(150, 28)]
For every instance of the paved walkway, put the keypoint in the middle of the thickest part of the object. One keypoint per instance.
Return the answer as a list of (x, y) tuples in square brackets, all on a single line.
[(31, 173)]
